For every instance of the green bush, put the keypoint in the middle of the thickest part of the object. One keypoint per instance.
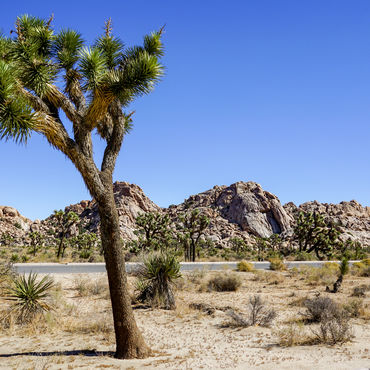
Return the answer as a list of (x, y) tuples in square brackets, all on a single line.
[(277, 264), (366, 262), (245, 266), (14, 258)]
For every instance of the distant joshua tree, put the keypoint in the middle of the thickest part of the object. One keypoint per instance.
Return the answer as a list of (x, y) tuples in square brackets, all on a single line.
[(99, 82)]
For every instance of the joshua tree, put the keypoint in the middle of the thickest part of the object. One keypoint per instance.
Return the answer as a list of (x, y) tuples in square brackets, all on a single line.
[(99, 82), (36, 241), (313, 233), (192, 226), (154, 230), (63, 222)]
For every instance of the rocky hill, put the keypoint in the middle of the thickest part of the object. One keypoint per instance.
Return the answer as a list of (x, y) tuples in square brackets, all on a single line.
[(12, 224), (242, 210)]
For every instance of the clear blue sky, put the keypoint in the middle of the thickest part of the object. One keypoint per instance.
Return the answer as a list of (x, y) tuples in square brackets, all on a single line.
[(276, 92)]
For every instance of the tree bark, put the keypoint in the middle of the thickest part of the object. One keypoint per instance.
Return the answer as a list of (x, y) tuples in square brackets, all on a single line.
[(60, 247), (129, 341)]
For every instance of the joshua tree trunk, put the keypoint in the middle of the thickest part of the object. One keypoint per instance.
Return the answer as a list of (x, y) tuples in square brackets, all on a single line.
[(60, 247), (130, 343)]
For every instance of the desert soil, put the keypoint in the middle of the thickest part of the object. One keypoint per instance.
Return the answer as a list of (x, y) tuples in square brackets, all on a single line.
[(78, 334)]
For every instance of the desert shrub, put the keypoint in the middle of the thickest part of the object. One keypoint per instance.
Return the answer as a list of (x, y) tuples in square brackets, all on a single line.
[(364, 272), (28, 296), (277, 264), (156, 278), (319, 307), (360, 269), (258, 314), (353, 307), (360, 291), (14, 258), (224, 283), (331, 266), (358, 265), (334, 328), (245, 266)]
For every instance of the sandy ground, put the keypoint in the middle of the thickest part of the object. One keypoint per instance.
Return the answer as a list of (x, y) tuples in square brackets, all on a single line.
[(78, 335)]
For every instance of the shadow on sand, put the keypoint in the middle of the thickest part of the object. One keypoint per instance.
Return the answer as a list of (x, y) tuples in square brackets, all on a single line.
[(83, 352)]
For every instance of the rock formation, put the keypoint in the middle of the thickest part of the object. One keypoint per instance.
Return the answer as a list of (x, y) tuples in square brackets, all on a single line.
[(353, 219), (242, 210), (12, 224)]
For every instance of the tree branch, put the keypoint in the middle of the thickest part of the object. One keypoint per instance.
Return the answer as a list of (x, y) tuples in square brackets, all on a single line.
[(54, 132), (73, 88), (115, 141), (105, 127), (60, 100), (36, 103)]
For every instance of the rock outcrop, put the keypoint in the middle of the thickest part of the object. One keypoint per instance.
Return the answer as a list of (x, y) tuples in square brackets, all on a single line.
[(130, 200), (242, 210), (13, 224), (352, 217)]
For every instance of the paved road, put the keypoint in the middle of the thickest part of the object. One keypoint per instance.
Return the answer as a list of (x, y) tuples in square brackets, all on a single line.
[(86, 268)]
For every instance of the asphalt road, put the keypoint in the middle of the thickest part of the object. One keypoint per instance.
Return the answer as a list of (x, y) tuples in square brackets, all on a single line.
[(88, 268)]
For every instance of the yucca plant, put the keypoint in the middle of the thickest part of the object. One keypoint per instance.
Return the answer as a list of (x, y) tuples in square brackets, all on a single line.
[(28, 296), (156, 279)]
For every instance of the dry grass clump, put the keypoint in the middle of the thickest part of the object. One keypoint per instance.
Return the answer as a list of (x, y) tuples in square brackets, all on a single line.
[(269, 277), (354, 307), (331, 266), (102, 327), (361, 269), (245, 266), (7, 274), (258, 314), (86, 287), (293, 335), (360, 291), (225, 282), (276, 264), (196, 277), (325, 275)]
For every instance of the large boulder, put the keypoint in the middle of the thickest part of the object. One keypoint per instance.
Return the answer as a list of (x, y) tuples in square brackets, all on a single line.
[(240, 210)]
